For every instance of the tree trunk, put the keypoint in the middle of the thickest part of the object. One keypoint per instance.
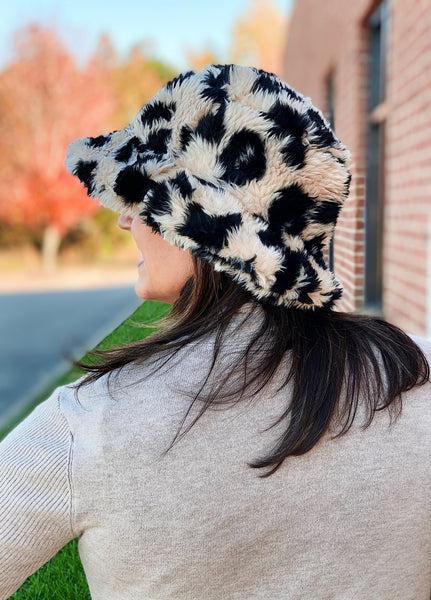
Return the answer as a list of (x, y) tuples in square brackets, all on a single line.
[(50, 245)]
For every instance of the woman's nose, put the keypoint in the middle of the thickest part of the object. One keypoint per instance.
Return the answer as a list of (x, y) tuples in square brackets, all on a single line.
[(124, 221)]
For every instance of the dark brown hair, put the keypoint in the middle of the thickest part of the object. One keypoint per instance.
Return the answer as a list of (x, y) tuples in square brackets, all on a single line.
[(337, 361)]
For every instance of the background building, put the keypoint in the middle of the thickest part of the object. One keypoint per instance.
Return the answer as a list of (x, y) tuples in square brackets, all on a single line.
[(367, 65)]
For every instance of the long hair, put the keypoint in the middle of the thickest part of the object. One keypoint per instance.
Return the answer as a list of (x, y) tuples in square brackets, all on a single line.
[(337, 361)]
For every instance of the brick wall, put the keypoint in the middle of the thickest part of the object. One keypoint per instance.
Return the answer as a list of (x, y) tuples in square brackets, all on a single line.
[(331, 39), (408, 174)]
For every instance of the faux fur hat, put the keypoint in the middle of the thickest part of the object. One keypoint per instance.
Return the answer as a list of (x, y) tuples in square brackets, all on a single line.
[(238, 167)]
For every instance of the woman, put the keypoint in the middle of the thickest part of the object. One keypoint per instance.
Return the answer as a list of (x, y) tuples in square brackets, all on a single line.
[(257, 446)]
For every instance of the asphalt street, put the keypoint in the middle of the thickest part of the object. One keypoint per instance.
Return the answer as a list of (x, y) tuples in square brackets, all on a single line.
[(38, 331)]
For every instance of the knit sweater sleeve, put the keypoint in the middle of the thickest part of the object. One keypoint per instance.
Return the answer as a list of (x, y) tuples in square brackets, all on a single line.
[(35, 493)]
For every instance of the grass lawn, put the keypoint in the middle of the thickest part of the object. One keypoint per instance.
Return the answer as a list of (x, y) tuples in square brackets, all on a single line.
[(63, 577)]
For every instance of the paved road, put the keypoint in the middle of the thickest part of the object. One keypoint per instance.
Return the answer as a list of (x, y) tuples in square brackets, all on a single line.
[(37, 331)]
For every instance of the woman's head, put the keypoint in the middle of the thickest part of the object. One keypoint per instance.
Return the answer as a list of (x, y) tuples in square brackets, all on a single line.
[(237, 167)]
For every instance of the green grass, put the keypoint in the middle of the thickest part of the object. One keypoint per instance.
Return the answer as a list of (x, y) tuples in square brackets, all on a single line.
[(60, 578), (63, 576)]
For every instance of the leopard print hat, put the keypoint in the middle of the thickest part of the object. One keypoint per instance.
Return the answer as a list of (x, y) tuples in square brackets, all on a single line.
[(236, 166)]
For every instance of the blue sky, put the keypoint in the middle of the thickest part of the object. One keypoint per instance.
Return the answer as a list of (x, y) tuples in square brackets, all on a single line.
[(172, 25)]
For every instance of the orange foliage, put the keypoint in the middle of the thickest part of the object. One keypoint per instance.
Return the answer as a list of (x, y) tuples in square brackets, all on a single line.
[(45, 102), (133, 81), (259, 37), (200, 58)]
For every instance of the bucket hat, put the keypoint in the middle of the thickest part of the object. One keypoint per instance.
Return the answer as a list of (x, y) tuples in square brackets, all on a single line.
[(236, 166)]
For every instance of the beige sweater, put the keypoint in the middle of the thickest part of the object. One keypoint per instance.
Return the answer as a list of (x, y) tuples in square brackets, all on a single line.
[(350, 520)]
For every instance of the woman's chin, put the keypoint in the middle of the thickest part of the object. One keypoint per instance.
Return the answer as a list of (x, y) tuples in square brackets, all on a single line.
[(141, 291)]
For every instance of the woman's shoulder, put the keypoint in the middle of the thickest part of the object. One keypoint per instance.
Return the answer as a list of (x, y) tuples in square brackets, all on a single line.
[(154, 386), (86, 396), (139, 391), (99, 413), (424, 344)]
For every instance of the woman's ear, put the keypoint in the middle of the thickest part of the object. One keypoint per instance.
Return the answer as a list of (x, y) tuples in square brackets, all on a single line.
[(124, 220)]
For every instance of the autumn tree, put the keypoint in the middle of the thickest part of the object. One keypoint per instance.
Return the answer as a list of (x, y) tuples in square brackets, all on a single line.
[(198, 59), (259, 36), (45, 102), (134, 79)]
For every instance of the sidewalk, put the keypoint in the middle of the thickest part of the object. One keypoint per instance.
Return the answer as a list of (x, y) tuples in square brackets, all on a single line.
[(67, 277)]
